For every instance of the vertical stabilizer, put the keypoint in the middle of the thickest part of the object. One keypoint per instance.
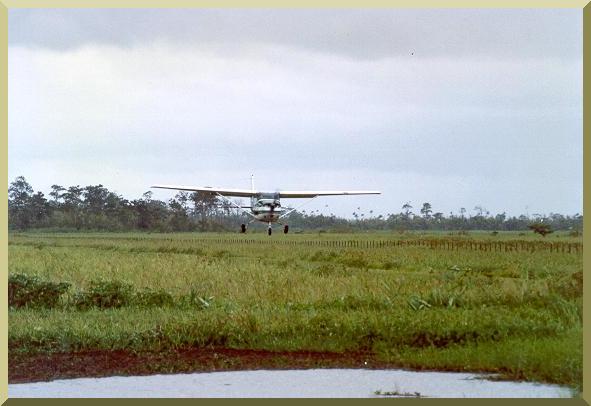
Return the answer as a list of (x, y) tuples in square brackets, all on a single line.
[(252, 198)]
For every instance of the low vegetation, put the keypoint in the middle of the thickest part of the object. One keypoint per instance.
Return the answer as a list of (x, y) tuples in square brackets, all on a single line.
[(31, 291), (398, 394), (515, 313)]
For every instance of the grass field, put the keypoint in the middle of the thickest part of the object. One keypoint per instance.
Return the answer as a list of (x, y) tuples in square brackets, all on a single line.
[(421, 305)]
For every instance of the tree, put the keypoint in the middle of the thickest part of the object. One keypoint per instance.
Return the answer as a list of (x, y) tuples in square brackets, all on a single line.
[(179, 219), (20, 191), (426, 210), (19, 198), (94, 207), (438, 217), (56, 194), (39, 209), (119, 213), (406, 207), (204, 203), (541, 228), (479, 211), (73, 205), (95, 199), (151, 214)]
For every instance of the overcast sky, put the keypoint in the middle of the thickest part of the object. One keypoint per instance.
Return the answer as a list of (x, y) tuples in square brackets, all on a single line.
[(458, 108)]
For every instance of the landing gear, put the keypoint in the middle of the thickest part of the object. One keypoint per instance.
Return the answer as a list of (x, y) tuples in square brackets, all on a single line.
[(269, 230), (243, 228), (285, 229)]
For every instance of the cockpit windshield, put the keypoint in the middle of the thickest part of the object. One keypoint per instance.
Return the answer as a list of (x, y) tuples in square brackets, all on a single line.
[(268, 202)]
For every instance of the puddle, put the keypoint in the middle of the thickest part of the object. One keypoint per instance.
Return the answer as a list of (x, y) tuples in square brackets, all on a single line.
[(317, 383)]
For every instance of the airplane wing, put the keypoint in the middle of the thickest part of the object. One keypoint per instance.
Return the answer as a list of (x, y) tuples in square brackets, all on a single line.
[(314, 193), (208, 189), (284, 194)]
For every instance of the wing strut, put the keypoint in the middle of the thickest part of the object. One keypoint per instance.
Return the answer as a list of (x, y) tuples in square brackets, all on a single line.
[(235, 205), (299, 207)]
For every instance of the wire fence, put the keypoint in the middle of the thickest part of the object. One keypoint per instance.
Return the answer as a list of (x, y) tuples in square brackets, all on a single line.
[(441, 244), (428, 243)]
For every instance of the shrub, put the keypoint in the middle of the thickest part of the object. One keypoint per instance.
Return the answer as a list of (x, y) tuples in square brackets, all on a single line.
[(105, 294), (153, 298), (220, 254), (327, 270), (416, 303), (350, 302), (574, 233), (354, 260), (390, 265), (568, 286), (194, 300), (30, 290), (323, 256), (442, 298)]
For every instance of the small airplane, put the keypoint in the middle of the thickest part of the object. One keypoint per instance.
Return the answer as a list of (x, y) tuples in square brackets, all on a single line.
[(264, 206)]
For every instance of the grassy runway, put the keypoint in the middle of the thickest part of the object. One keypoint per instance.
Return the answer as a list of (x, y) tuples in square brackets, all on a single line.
[(420, 306)]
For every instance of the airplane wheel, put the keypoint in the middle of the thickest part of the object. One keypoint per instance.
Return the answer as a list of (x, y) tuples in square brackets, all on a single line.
[(285, 229), (269, 231), (243, 228)]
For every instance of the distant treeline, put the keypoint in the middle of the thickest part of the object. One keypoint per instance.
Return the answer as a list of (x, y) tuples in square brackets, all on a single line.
[(97, 208)]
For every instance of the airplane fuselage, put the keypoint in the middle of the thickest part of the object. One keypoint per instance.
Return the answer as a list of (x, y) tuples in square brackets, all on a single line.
[(266, 207)]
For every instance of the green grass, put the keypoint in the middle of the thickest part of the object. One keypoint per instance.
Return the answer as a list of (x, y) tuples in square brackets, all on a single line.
[(515, 313)]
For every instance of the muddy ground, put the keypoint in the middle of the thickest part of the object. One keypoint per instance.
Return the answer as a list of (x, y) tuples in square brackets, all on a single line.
[(45, 367)]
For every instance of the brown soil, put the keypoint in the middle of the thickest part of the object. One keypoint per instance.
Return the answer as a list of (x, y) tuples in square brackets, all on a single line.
[(44, 367)]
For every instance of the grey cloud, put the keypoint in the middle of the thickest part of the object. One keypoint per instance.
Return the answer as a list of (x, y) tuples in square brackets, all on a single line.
[(365, 34), (487, 111)]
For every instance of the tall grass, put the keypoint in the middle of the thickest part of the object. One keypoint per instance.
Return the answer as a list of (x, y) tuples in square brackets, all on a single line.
[(422, 307)]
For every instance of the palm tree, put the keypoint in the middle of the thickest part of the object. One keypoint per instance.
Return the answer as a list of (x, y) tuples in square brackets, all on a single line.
[(406, 207), (426, 210)]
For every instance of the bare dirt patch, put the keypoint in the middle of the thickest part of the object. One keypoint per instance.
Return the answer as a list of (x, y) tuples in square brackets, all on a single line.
[(49, 366)]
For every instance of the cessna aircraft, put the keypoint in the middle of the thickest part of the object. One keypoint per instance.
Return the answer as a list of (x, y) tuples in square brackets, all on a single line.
[(264, 206)]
